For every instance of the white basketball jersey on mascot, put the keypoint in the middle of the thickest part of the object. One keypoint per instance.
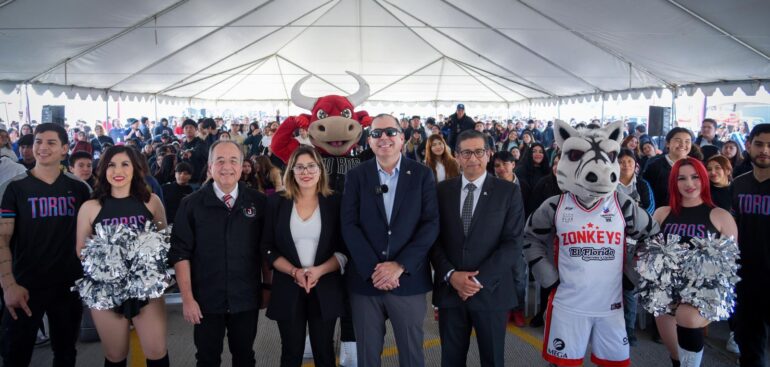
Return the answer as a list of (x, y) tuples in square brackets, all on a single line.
[(591, 246), (588, 225)]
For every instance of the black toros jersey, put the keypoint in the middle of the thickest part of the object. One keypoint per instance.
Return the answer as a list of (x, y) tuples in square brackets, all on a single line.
[(751, 207), (337, 168), (43, 241), (694, 222), (128, 211)]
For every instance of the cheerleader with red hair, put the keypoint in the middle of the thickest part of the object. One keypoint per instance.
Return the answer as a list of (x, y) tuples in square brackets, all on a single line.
[(690, 214)]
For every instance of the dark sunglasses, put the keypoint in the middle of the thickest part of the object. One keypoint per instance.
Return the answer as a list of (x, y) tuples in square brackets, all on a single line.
[(391, 131)]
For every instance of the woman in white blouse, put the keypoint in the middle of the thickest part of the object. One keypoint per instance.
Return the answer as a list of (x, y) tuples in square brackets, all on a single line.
[(303, 243), (439, 158)]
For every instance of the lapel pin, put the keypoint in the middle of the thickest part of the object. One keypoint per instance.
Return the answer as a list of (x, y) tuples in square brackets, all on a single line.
[(485, 193), (408, 172)]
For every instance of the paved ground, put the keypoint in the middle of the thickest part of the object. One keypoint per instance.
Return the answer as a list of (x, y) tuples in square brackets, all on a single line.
[(523, 347)]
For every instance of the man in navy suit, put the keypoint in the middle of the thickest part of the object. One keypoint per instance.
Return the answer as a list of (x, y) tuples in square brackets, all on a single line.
[(389, 223), (482, 222)]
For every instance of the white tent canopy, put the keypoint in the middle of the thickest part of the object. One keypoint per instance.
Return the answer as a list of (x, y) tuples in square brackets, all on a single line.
[(494, 51)]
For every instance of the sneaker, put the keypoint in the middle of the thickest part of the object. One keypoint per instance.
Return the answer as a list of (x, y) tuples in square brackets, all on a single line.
[(732, 346), (632, 341), (348, 354), (41, 339), (537, 321), (518, 318), (308, 354)]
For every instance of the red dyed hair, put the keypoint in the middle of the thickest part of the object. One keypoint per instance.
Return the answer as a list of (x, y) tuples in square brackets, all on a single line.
[(675, 197)]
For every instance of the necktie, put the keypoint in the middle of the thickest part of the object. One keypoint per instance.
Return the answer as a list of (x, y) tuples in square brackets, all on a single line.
[(228, 199), (467, 211)]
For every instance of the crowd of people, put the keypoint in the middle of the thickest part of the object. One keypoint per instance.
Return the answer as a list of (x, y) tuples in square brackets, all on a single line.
[(441, 207)]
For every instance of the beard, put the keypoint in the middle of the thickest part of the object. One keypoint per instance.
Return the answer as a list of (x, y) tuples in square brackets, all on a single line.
[(755, 161)]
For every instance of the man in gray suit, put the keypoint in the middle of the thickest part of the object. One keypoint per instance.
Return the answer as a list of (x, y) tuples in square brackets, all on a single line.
[(482, 223), (389, 223)]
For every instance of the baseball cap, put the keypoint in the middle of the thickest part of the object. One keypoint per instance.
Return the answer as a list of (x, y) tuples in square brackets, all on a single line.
[(460, 106)]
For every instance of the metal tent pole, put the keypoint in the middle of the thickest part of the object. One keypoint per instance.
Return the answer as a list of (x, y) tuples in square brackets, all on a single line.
[(601, 121)]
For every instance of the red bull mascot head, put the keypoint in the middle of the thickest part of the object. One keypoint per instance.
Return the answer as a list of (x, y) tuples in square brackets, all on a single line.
[(334, 128)]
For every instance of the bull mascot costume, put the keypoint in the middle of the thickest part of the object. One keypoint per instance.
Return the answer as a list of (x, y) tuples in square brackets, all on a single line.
[(334, 129), (587, 225)]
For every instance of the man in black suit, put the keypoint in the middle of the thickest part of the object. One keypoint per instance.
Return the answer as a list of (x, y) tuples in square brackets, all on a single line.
[(389, 223), (481, 221)]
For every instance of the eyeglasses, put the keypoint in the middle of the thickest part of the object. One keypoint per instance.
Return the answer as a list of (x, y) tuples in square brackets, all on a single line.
[(391, 131), (310, 168), (479, 153)]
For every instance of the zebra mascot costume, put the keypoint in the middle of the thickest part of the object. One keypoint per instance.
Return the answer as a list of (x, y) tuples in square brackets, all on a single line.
[(588, 225)]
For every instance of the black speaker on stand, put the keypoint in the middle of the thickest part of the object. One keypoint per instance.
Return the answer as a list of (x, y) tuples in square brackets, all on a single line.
[(659, 120), (53, 114)]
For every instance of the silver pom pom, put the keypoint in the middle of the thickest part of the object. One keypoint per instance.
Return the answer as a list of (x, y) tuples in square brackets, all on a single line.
[(702, 273), (120, 262), (104, 254), (659, 270), (711, 272), (149, 275)]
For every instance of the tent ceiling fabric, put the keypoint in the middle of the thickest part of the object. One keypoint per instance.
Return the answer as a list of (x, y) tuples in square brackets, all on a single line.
[(408, 51)]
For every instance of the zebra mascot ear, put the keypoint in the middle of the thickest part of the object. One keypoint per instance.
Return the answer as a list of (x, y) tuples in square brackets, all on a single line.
[(563, 132), (615, 131)]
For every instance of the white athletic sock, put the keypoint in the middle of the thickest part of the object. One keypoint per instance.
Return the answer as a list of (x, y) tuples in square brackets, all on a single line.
[(690, 359)]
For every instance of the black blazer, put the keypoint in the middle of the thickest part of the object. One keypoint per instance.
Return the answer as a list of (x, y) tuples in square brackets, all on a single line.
[(277, 241), (493, 243), (408, 237)]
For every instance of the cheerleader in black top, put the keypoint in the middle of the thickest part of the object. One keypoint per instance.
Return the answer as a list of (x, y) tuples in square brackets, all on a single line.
[(122, 197), (690, 213)]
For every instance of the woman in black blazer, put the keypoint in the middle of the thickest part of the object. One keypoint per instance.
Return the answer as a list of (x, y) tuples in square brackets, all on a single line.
[(303, 243)]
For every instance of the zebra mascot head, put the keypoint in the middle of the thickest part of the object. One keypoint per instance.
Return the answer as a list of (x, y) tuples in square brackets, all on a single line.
[(588, 167)]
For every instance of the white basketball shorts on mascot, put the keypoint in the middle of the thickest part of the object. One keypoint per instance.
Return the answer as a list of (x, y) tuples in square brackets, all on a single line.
[(587, 225)]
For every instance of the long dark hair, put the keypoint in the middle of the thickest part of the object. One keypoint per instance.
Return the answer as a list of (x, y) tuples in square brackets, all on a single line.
[(165, 172), (103, 189), (449, 162), (263, 172), (250, 179), (737, 159), (528, 162)]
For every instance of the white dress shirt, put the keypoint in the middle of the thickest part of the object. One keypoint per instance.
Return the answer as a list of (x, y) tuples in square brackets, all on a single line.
[(479, 182), (220, 194)]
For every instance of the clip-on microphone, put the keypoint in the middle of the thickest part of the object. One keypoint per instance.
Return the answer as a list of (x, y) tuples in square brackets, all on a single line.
[(382, 189)]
